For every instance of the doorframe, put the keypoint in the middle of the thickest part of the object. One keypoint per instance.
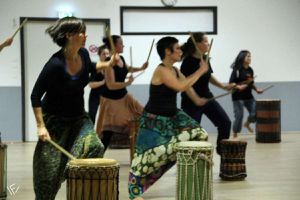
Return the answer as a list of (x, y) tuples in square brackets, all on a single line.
[(106, 21)]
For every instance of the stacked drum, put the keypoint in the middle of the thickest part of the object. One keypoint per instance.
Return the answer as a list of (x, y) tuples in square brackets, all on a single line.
[(268, 124), (233, 165)]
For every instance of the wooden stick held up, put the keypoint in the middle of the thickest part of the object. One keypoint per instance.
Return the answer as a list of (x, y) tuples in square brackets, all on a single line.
[(195, 44), (111, 42), (150, 50), (19, 28), (147, 59), (208, 53), (61, 149)]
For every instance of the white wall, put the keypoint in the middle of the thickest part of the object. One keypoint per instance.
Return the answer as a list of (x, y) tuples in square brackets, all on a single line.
[(268, 28)]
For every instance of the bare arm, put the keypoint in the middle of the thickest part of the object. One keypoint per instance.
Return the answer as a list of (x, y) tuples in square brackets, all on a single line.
[(6, 43), (199, 101), (218, 84), (111, 81), (96, 84), (106, 64), (182, 84), (41, 128), (132, 69)]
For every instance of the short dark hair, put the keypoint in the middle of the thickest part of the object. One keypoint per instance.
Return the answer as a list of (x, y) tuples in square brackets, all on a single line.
[(165, 43), (58, 31)]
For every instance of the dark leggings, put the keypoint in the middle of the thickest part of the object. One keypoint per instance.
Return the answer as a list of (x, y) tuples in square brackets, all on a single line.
[(217, 115), (106, 137)]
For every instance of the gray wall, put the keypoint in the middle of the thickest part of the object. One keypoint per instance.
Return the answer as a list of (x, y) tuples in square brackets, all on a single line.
[(285, 91), (11, 119), (11, 113)]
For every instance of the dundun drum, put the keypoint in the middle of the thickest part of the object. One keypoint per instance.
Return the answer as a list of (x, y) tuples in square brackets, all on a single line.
[(92, 179), (194, 170), (268, 125), (233, 164), (3, 170)]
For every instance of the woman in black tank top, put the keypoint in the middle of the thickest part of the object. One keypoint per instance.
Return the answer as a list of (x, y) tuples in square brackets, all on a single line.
[(117, 107), (162, 124)]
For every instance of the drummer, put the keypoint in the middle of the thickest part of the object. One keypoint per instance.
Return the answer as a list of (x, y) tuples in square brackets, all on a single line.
[(162, 124), (60, 116)]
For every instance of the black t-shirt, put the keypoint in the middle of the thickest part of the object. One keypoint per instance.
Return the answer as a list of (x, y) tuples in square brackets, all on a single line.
[(189, 65), (63, 93), (95, 77), (241, 75), (120, 76)]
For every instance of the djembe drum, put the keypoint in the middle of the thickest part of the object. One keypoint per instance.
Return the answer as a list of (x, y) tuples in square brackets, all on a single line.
[(3, 170), (194, 170), (268, 124), (92, 179), (233, 165)]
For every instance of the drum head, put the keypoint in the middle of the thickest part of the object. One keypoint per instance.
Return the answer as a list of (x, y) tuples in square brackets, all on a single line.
[(195, 144), (91, 162)]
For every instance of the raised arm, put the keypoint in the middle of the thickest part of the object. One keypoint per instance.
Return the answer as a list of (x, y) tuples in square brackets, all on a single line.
[(111, 81), (182, 84), (6, 43), (132, 69), (218, 84)]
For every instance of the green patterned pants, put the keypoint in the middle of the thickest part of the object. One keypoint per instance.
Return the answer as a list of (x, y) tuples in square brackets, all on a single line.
[(77, 136)]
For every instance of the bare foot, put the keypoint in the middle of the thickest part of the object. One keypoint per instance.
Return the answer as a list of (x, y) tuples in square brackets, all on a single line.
[(235, 135), (247, 125)]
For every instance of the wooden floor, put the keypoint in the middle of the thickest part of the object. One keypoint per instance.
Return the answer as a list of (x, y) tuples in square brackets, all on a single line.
[(273, 173)]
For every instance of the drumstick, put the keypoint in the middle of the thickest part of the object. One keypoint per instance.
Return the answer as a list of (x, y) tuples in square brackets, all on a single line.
[(221, 95), (147, 59), (61, 149), (208, 53), (23, 23), (268, 87), (195, 44), (111, 42), (150, 50), (130, 52), (139, 74)]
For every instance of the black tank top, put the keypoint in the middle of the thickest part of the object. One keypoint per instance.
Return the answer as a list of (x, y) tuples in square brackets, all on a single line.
[(162, 100), (120, 75)]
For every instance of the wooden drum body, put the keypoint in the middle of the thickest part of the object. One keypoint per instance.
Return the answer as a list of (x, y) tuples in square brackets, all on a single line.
[(3, 170), (92, 179), (194, 170), (268, 125), (233, 165)]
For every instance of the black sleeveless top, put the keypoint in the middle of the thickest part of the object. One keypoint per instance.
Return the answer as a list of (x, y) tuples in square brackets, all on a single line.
[(162, 100), (120, 75)]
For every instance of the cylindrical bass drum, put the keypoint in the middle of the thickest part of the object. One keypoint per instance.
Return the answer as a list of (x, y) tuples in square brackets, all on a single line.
[(268, 124)]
